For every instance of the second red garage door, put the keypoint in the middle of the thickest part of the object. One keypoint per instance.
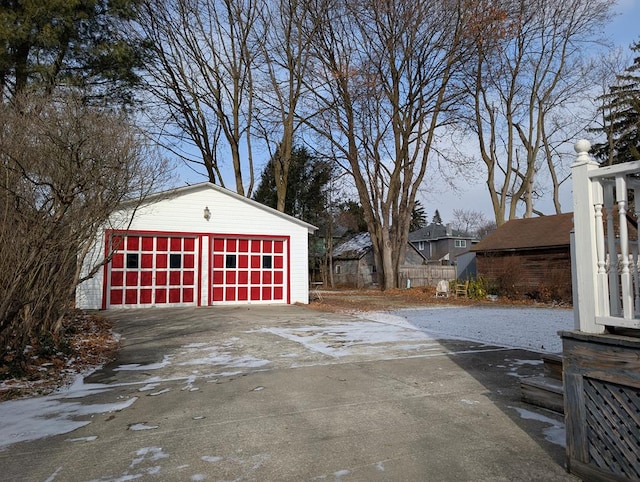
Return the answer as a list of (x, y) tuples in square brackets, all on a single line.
[(249, 270)]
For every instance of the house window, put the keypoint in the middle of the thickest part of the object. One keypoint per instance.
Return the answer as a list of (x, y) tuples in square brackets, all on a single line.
[(461, 243), (420, 245), (338, 269)]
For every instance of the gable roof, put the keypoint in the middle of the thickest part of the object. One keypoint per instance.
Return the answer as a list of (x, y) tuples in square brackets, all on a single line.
[(353, 248), (529, 233), (435, 231), (176, 192), (359, 245)]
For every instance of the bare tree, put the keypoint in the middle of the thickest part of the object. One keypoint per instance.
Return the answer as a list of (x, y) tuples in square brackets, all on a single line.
[(65, 167), (468, 221), (201, 78), (284, 65), (520, 81), (382, 88)]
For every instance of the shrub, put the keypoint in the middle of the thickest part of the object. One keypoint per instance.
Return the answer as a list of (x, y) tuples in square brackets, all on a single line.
[(478, 288)]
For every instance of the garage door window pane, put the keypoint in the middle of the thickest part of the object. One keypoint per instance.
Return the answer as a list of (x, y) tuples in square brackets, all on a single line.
[(132, 261), (230, 261), (175, 261), (266, 262)]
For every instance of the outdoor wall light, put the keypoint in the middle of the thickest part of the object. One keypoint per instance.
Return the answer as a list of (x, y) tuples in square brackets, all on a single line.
[(207, 213)]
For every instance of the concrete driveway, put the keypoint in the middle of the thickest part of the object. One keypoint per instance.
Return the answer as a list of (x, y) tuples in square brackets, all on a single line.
[(280, 393)]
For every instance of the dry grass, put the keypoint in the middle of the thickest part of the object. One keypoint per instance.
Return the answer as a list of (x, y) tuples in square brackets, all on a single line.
[(376, 300)]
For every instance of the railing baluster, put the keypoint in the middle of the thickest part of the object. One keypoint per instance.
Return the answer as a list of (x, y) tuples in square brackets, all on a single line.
[(625, 276), (636, 254), (614, 283), (601, 273), (633, 263)]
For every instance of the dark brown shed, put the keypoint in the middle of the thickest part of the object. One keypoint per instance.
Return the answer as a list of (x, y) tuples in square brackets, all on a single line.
[(528, 257)]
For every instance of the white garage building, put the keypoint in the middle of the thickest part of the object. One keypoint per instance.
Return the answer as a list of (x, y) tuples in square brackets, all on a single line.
[(195, 246)]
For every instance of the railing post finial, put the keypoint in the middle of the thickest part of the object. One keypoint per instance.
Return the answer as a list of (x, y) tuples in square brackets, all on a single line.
[(582, 147)]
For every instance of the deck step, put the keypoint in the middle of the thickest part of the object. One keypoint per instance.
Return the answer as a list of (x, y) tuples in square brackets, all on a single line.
[(546, 392), (552, 366)]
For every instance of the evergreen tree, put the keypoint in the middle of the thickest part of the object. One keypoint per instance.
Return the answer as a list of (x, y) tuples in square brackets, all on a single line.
[(75, 43), (351, 216), (306, 186), (418, 217), (621, 115), (436, 218)]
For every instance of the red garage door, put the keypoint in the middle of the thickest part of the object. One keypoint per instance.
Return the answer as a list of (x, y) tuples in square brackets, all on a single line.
[(248, 270), (150, 269)]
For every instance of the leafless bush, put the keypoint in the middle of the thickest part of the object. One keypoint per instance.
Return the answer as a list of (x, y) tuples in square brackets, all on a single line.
[(64, 168)]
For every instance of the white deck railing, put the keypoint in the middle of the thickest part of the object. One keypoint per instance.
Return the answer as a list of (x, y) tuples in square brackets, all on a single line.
[(606, 264)]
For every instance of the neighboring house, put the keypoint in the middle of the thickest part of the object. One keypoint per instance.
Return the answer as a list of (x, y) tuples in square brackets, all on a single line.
[(439, 243), (195, 246), (528, 257), (320, 245), (354, 265), (466, 266)]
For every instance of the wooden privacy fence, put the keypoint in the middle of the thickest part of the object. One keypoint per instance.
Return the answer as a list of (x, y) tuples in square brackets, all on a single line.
[(601, 357), (426, 275)]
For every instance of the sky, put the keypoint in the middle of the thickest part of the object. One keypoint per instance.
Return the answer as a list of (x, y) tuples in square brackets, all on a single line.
[(470, 191), (623, 30), (380, 335)]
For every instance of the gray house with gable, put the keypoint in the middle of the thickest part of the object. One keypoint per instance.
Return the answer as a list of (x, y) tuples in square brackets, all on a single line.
[(439, 243), (354, 265)]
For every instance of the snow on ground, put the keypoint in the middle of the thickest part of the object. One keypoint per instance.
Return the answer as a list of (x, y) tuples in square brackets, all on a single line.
[(35, 418), (554, 433), (534, 329), (342, 339)]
